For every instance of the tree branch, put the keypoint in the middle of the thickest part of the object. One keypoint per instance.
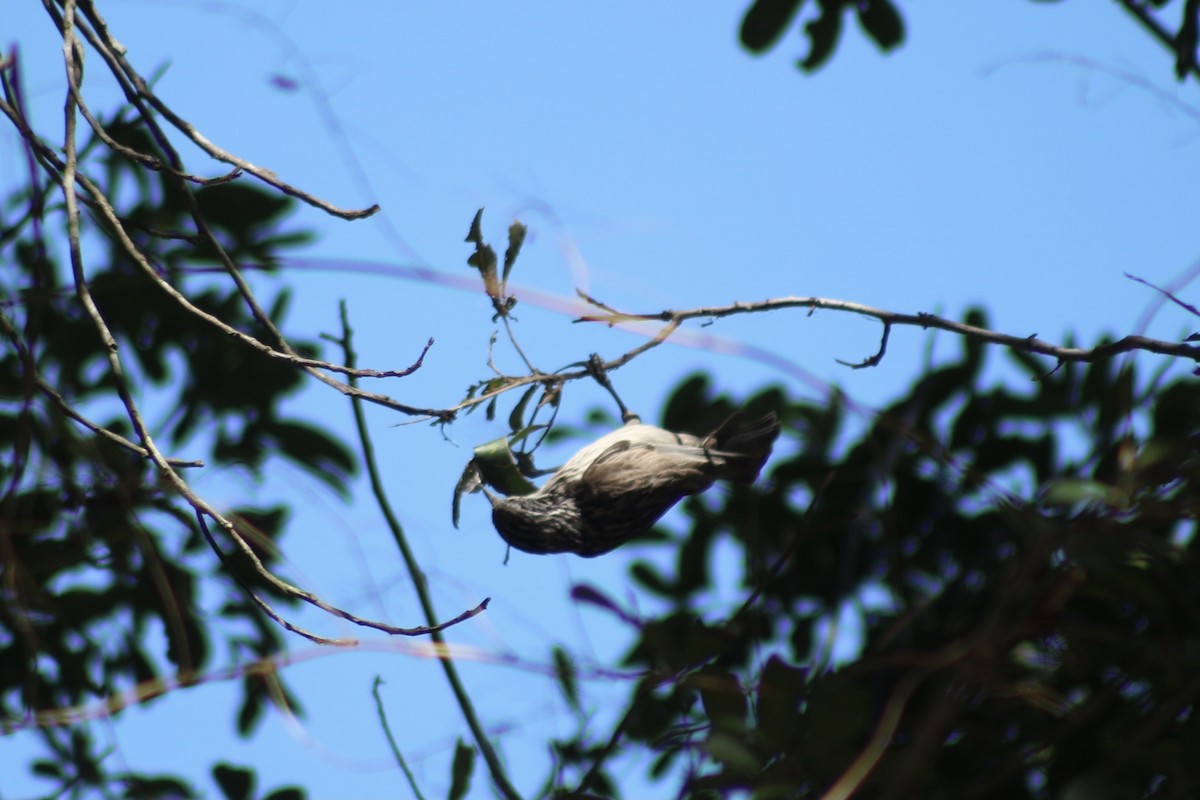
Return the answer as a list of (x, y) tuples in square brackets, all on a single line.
[(1027, 344), (499, 775), (136, 88)]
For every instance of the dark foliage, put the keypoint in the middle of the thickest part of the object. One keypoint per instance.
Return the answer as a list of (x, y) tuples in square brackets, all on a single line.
[(766, 21), (102, 564), (1019, 568)]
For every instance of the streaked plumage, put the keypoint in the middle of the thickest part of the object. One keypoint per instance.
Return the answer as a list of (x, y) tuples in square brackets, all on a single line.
[(621, 484)]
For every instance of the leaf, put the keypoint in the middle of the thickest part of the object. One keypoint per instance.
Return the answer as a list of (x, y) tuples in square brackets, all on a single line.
[(586, 594), (689, 398), (564, 670), (498, 469), (652, 579), (484, 258), (882, 23), (468, 482), (781, 688), (287, 793), (252, 707), (823, 33), (460, 770), (722, 696), (516, 238), (516, 420), (1072, 491), (311, 448), (765, 22), (733, 752), (475, 234), (236, 783)]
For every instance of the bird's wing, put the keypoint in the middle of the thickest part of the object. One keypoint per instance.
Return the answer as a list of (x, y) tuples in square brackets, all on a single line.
[(648, 469)]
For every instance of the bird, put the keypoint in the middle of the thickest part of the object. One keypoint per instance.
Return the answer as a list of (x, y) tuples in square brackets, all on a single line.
[(621, 484)]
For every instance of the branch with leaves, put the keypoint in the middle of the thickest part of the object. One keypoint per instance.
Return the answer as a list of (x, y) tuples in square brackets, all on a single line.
[(79, 23)]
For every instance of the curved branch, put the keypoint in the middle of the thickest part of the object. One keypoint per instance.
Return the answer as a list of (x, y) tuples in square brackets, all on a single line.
[(45, 388), (1027, 344), (138, 89), (100, 203), (68, 180)]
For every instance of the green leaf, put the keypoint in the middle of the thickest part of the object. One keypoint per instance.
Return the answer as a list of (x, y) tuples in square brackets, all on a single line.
[(516, 420), (316, 451), (252, 707), (287, 793), (733, 752), (516, 238), (498, 469), (781, 688), (475, 234), (765, 22), (652, 579), (468, 482), (460, 771), (1071, 491), (882, 23), (823, 34), (236, 783), (564, 670), (723, 698), (587, 594), (484, 257)]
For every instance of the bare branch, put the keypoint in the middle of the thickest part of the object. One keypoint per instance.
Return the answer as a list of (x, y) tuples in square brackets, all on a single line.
[(313, 366), (1027, 344), (72, 53), (1195, 312), (872, 361), (495, 766), (113, 53), (312, 599)]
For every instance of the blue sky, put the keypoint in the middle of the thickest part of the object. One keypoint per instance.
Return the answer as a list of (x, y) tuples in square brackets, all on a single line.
[(1019, 155)]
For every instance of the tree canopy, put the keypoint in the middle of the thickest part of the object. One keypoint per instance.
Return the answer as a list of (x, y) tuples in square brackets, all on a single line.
[(985, 588)]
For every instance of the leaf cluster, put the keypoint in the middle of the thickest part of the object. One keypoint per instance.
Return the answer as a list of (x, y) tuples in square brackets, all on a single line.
[(110, 594), (766, 21), (986, 591)]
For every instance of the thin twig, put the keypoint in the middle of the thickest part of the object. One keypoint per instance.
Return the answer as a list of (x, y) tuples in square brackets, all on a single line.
[(1027, 344), (136, 89), (1159, 32), (44, 386), (312, 366), (262, 604), (71, 51), (1195, 312), (499, 775), (114, 54), (614, 739), (870, 756), (387, 732)]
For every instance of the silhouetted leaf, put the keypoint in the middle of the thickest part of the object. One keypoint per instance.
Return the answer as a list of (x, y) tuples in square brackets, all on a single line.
[(315, 450), (461, 770), (564, 670), (765, 21), (516, 238), (882, 23), (823, 34), (236, 783)]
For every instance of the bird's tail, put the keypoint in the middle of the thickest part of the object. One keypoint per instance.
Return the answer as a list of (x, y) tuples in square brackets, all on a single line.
[(743, 445)]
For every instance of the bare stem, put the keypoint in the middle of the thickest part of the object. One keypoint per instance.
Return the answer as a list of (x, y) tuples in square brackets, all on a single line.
[(499, 775)]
